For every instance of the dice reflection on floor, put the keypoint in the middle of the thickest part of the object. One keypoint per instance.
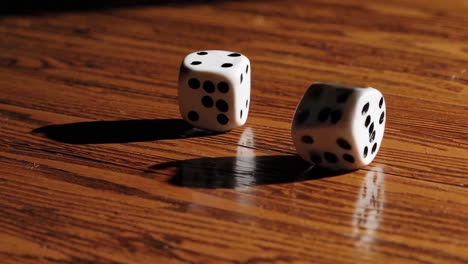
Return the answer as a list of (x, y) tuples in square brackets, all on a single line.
[(368, 213), (244, 169), (244, 157)]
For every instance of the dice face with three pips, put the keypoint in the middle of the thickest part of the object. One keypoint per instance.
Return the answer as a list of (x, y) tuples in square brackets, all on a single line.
[(339, 127), (214, 89)]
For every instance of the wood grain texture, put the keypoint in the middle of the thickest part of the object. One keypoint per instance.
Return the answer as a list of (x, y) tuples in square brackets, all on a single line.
[(97, 167)]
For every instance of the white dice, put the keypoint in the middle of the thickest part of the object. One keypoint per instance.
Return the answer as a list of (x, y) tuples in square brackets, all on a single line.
[(214, 89), (339, 127)]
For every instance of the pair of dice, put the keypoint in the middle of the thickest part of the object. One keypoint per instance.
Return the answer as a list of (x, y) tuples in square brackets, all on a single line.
[(334, 126)]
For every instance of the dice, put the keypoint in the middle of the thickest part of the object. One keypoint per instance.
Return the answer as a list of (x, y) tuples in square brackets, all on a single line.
[(339, 127), (214, 89)]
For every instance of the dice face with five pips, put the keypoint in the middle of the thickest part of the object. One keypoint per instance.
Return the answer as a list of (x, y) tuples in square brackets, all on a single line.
[(214, 89), (339, 127)]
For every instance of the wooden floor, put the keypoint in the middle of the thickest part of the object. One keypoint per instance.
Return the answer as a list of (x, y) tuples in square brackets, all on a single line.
[(96, 165)]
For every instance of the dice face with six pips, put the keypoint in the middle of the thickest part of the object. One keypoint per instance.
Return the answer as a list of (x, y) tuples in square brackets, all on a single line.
[(339, 127), (214, 89)]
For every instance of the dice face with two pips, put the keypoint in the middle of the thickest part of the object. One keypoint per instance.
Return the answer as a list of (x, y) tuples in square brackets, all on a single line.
[(339, 127), (214, 89)]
